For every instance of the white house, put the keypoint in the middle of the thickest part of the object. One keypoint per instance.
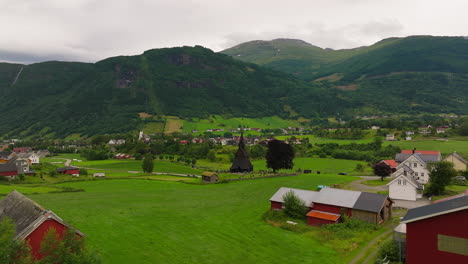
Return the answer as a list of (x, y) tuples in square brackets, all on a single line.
[(413, 166), (405, 188), (390, 137), (32, 157)]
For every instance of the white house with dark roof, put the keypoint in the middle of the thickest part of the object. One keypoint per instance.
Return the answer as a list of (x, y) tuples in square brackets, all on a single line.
[(405, 188)]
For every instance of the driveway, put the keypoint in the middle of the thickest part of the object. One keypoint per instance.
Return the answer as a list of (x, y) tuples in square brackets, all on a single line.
[(358, 186), (411, 204)]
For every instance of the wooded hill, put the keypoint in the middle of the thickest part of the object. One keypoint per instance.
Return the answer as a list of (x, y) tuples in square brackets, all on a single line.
[(412, 75), (106, 97), (395, 75)]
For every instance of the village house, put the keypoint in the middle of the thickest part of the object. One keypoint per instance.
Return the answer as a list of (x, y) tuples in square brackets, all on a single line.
[(375, 127), (31, 156), (409, 133), (437, 233), (32, 221), (405, 187), (440, 130), (329, 205), (208, 176), (43, 153), (459, 163), (391, 163), (8, 170), (390, 137), (22, 150), (116, 142)]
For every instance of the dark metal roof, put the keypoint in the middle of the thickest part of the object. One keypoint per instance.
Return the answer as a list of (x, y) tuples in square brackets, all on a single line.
[(8, 167), (22, 210), (435, 209), (400, 157), (370, 202)]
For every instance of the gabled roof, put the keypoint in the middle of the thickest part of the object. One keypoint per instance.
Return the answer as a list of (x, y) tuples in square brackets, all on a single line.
[(460, 158), (391, 163), (26, 214), (209, 174), (436, 209), (7, 167), (409, 179), (370, 202), (22, 210), (424, 152), (307, 196), (338, 197)]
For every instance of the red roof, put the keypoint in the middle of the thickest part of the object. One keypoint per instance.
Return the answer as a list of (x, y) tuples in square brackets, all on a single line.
[(324, 215), (391, 163), (424, 152)]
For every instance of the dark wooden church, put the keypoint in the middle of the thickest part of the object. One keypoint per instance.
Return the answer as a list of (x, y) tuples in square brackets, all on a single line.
[(241, 160)]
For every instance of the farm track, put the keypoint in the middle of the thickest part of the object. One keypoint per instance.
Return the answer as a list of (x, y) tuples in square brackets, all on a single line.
[(358, 258)]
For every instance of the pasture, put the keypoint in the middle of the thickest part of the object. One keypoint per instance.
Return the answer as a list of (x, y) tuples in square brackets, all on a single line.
[(142, 221), (445, 146)]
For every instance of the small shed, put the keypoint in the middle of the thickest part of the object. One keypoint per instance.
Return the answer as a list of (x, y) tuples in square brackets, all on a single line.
[(69, 170), (99, 175), (208, 176)]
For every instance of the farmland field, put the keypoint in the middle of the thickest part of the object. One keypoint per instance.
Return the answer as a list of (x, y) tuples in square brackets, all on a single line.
[(230, 123), (445, 146), (141, 221)]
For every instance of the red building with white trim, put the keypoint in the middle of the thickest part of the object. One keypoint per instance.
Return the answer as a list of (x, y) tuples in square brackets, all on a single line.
[(438, 233), (32, 221)]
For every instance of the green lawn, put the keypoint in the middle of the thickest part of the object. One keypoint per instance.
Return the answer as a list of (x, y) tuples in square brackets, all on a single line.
[(27, 189), (317, 164), (451, 190), (231, 123), (144, 221), (377, 182), (444, 146)]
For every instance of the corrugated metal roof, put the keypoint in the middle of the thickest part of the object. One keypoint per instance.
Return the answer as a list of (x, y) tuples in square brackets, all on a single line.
[(338, 197), (424, 152), (400, 157), (436, 209), (307, 196), (324, 215), (370, 202)]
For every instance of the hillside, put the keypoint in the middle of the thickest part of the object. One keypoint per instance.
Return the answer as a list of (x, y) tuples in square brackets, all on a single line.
[(64, 97), (396, 75)]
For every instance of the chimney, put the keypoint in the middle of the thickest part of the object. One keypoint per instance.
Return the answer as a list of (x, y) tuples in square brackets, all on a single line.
[(414, 150)]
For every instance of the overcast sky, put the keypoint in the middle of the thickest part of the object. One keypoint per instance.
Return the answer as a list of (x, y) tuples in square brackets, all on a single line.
[(91, 30)]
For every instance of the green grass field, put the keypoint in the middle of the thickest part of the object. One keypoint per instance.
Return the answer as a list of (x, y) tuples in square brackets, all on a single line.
[(230, 123), (27, 189), (144, 221), (445, 146)]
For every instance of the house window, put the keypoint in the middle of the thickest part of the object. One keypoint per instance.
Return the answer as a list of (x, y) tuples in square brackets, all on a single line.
[(399, 182), (415, 164), (404, 173), (404, 182), (422, 174), (415, 174)]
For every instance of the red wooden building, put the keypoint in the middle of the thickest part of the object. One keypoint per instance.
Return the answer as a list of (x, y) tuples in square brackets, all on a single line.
[(438, 233), (32, 220), (8, 170), (329, 205), (69, 170)]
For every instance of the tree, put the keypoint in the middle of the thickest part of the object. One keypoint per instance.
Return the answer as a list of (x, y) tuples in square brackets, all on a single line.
[(68, 250), (211, 155), (11, 250), (382, 169), (279, 155), (440, 175), (293, 206), (148, 163)]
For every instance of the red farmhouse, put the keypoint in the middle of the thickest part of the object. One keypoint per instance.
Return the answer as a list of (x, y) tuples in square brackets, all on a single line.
[(69, 170), (32, 220), (438, 233), (8, 170)]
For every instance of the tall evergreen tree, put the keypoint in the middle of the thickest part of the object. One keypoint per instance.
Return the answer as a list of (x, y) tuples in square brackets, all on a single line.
[(148, 164)]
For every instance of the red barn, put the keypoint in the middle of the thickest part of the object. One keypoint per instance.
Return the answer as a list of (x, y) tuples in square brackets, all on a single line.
[(438, 233), (69, 170), (32, 220), (328, 205)]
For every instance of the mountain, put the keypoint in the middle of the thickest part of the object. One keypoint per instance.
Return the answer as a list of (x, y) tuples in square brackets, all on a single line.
[(396, 75), (62, 98), (415, 54)]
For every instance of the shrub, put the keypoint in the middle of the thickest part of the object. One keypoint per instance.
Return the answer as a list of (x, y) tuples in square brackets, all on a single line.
[(293, 206), (389, 251), (138, 156), (83, 172)]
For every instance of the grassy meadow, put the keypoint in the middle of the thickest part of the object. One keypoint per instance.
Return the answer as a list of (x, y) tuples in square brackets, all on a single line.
[(141, 221)]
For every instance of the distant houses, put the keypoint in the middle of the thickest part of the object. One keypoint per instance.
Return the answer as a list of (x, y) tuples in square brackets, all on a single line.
[(331, 205), (32, 221)]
